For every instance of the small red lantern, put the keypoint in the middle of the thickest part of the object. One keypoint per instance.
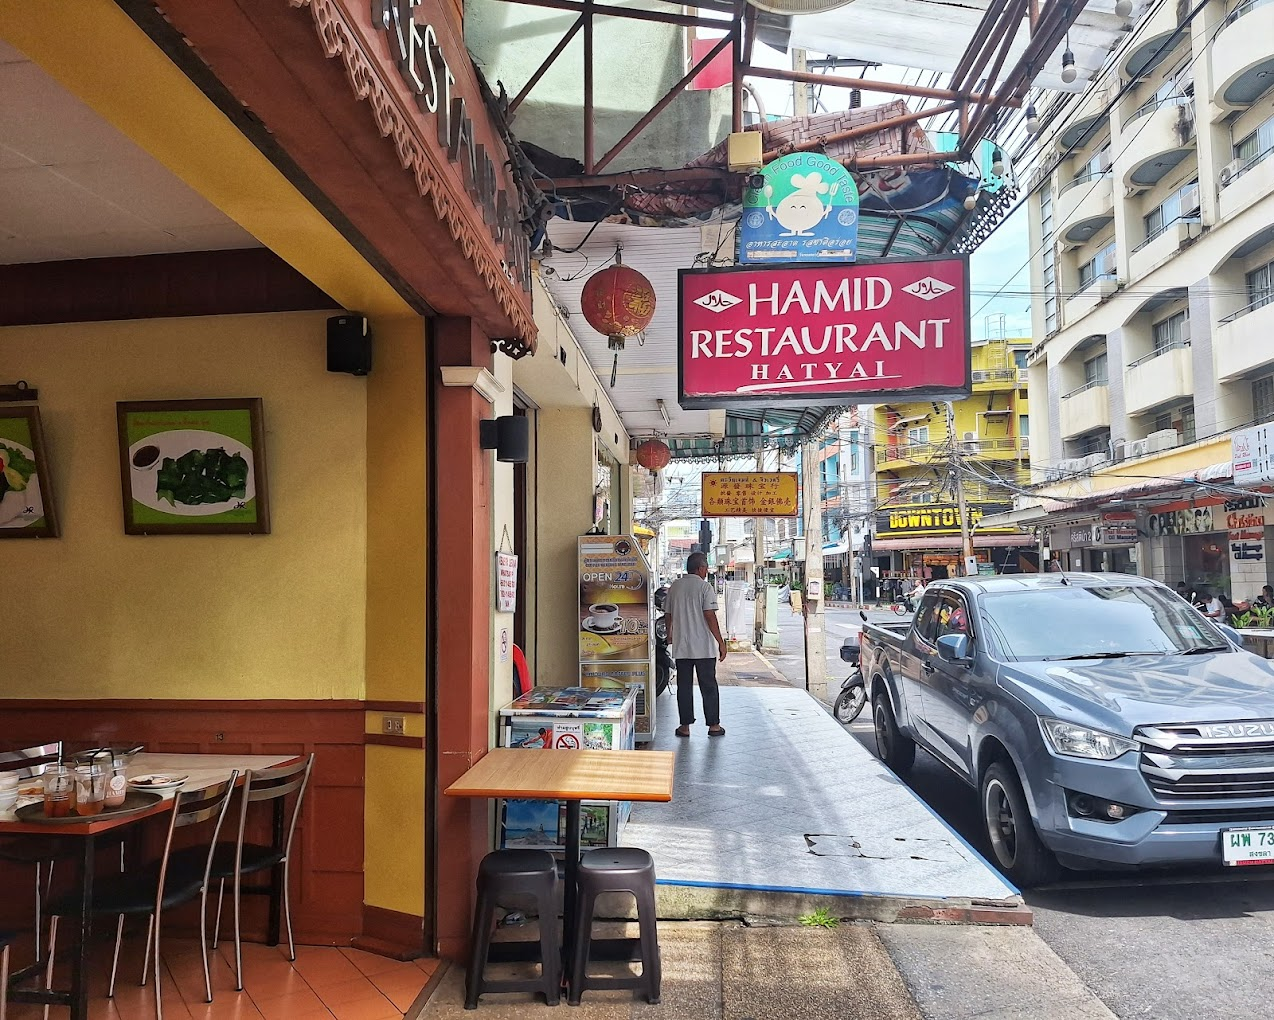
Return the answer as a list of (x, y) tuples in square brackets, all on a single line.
[(618, 302), (654, 455)]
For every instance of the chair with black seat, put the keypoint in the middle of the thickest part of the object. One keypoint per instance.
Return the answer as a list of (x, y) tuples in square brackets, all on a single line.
[(616, 869), (40, 853), (162, 885), (234, 860), (503, 875)]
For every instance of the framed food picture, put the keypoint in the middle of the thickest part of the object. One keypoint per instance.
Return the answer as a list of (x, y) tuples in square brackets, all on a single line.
[(193, 467), (26, 493)]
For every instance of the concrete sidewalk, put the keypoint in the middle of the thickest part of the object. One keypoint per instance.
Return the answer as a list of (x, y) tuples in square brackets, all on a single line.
[(855, 971), (788, 813)]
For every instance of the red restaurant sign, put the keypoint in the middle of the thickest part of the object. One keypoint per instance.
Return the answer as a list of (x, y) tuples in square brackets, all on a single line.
[(853, 333)]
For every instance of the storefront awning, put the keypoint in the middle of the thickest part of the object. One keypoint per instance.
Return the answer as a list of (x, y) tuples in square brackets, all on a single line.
[(952, 542), (1013, 518)]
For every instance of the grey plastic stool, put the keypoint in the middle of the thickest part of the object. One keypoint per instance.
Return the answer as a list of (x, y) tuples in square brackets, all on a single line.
[(626, 870), (507, 873)]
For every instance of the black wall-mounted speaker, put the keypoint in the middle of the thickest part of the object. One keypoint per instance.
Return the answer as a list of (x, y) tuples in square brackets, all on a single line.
[(509, 436), (349, 344)]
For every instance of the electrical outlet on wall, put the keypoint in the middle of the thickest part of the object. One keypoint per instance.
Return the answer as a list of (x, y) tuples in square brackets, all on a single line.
[(392, 724)]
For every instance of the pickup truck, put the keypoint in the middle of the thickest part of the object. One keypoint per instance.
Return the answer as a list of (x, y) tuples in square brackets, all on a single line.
[(1100, 718)]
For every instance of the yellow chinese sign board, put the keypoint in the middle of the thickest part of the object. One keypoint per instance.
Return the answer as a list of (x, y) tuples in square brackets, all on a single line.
[(749, 494)]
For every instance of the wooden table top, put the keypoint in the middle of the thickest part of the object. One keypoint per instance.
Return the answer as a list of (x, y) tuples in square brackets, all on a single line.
[(554, 774), (204, 770)]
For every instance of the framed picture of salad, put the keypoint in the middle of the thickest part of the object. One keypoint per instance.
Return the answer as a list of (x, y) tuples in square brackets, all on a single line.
[(193, 467), (26, 492)]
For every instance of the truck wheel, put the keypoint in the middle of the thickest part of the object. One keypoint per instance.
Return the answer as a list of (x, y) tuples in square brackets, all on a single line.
[(1015, 845), (895, 749)]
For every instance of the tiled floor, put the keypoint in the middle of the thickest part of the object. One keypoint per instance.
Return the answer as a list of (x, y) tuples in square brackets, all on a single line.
[(323, 984), (789, 802)]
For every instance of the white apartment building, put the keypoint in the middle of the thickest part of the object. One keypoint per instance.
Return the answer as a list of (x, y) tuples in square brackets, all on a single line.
[(1152, 231)]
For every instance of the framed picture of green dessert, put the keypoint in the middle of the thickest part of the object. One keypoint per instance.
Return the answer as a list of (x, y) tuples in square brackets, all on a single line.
[(27, 509), (193, 467)]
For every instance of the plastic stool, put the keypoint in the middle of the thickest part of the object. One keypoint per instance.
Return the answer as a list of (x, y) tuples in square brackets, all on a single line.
[(508, 873), (616, 869)]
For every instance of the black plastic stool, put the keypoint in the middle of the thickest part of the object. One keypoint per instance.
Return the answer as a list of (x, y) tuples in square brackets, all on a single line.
[(508, 873), (616, 869)]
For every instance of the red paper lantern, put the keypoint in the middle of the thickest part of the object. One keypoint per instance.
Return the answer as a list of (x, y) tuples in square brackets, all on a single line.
[(654, 455), (618, 301)]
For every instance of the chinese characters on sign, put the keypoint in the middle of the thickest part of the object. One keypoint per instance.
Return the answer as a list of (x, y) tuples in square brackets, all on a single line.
[(749, 494), (506, 573)]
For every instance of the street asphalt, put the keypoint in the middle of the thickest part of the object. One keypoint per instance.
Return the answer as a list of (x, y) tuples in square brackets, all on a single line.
[(1185, 945)]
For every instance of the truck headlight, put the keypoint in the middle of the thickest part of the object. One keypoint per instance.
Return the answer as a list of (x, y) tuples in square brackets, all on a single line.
[(1082, 742)]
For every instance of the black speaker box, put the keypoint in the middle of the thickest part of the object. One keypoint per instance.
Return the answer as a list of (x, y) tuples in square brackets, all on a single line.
[(349, 344)]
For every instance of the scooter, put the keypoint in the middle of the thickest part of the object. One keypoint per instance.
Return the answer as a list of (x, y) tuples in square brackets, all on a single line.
[(663, 657), (853, 693)]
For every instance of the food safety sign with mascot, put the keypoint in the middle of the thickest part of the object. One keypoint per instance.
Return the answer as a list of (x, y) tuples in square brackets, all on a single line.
[(806, 210)]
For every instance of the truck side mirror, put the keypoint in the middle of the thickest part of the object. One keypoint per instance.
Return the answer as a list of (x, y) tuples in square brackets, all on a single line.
[(954, 648)]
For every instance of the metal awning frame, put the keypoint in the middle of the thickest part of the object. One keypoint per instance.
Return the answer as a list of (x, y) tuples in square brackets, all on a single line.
[(984, 60)]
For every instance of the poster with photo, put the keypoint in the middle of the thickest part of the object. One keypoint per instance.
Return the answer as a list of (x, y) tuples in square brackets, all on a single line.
[(192, 467), (26, 493)]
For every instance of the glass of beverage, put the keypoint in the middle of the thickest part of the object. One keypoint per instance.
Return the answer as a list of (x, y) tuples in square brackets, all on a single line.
[(59, 791), (116, 783), (90, 788)]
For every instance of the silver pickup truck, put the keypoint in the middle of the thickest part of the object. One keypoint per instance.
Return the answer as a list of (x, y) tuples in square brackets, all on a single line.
[(1100, 717)]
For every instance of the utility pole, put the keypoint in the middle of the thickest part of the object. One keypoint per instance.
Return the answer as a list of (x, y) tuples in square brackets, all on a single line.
[(957, 481), (800, 90), (758, 566), (812, 507)]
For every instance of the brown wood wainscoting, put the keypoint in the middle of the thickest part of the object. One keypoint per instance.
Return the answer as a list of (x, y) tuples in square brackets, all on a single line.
[(327, 869)]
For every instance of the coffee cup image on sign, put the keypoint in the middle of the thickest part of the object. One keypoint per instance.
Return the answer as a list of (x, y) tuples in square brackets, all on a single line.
[(603, 618)]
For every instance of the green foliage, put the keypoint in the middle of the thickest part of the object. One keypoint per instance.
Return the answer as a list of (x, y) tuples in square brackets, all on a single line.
[(820, 919), (1263, 615), (1241, 620)]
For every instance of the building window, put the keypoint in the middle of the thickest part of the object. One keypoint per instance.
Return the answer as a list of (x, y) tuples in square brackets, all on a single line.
[(918, 436), (1092, 168), (1171, 332), (1256, 146), (1187, 424), (1023, 424), (1050, 263), (1019, 359), (853, 453), (1100, 267), (1182, 204), (1260, 287), (1095, 442), (1263, 400), (1095, 370)]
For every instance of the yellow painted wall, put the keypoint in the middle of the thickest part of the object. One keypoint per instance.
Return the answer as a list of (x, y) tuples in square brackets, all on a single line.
[(99, 614)]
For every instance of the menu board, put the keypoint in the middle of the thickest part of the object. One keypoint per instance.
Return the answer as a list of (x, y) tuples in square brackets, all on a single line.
[(614, 620)]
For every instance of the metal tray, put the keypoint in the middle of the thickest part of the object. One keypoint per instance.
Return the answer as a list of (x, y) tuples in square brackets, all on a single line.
[(134, 802)]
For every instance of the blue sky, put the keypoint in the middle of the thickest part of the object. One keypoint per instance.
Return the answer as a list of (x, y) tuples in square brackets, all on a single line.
[(1001, 261)]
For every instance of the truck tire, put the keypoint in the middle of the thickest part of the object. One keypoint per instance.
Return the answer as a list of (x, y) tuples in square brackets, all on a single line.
[(893, 747), (1016, 848)]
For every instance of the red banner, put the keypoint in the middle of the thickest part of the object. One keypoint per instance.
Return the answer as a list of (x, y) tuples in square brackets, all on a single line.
[(853, 333)]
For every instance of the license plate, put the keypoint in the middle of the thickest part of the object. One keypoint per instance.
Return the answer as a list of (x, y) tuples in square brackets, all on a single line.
[(1247, 846)]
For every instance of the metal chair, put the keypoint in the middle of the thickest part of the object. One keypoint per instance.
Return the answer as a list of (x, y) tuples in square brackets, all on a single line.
[(166, 883), (6, 940), (30, 763), (234, 860)]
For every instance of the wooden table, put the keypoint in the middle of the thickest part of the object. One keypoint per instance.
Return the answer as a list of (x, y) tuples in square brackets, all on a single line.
[(204, 770), (571, 776)]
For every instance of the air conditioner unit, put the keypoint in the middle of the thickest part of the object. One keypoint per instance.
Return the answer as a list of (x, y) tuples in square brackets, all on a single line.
[(1103, 160), (1230, 172), (1071, 465), (1137, 448), (970, 437), (1026, 444), (1095, 460), (1117, 451), (1164, 439), (1190, 199), (1109, 264)]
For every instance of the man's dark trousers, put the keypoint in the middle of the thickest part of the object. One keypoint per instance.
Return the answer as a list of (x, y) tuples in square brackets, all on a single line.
[(706, 669)]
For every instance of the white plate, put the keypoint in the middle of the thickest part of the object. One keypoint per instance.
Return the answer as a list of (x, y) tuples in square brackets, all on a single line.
[(1247, 846), (593, 628), (176, 444), (12, 504), (164, 782)]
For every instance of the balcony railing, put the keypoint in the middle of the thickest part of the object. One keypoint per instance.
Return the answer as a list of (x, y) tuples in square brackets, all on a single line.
[(1154, 235), (1251, 306), (1250, 162), (1154, 104), (1247, 7), (924, 452), (995, 375), (1085, 388), (1096, 279), (1085, 178), (1159, 351)]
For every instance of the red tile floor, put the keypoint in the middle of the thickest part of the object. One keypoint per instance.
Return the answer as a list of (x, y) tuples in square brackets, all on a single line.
[(323, 984)]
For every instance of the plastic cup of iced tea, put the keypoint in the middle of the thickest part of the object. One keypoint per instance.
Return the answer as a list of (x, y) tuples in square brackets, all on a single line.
[(59, 791), (90, 789)]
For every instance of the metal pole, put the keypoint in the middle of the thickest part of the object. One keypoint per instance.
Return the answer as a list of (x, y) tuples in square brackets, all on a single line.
[(957, 479), (800, 89), (758, 560), (815, 641)]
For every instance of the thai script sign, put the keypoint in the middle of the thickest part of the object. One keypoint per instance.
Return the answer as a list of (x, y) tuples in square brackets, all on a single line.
[(805, 211), (825, 334), (749, 494)]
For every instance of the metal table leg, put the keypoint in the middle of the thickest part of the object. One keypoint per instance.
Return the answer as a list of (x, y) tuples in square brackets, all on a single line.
[(572, 877), (79, 962)]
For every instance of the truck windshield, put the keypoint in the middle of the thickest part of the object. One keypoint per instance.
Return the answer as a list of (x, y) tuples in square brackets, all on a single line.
[(1099, 622)]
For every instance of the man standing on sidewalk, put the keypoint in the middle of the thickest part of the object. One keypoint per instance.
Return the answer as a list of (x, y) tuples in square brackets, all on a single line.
[(694, 635)]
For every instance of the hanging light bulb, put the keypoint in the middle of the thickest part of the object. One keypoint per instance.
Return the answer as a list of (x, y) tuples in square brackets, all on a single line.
[(997, 162), (1032, 119), (971, 200), (1123, 8), (1068, 65)]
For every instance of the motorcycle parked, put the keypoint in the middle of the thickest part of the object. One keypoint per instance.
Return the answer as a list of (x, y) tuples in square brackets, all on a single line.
[(663, 656), (853, 693)]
